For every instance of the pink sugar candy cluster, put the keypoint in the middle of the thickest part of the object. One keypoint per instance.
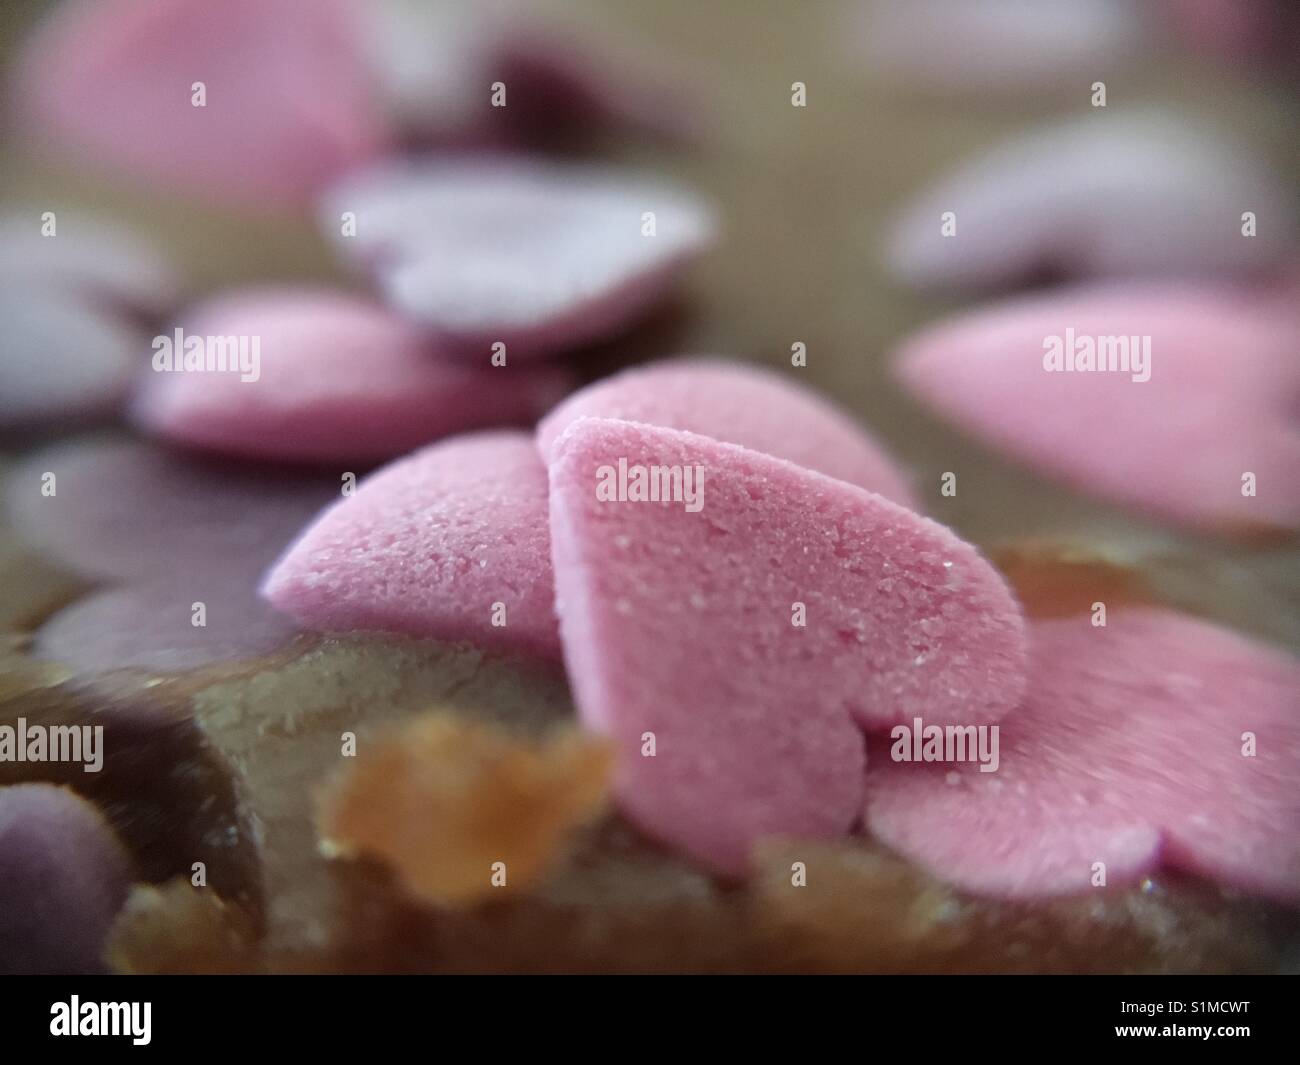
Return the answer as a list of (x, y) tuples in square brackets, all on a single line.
[(734, 574), (747, 656)]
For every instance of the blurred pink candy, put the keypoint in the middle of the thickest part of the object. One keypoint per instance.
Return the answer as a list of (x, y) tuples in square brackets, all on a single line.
[(318, 375), (538, 256), (257, 102), (450, 543), (1130, 751), (1148, 193), (1180, 401)]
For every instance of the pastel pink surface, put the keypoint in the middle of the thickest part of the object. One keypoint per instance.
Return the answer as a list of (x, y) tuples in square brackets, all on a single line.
[(1221, 401), (738, 404), (151, 626), (288, 96), (1127, 750), (63, 877), (340, 380), (680, 623), (1147, 193), (537, 255), (131, 511), (428, 545)]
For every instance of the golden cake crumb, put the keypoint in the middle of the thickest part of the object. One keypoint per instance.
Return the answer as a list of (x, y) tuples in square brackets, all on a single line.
[(460, 809), (176, 928)]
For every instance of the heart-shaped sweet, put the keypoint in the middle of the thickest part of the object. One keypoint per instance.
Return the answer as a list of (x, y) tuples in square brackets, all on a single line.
[(450, 543), (1156, 739), (1194, 419), (134, 512), (1141, 194), (536, 255), (735, 637), (320, 583), (285, 101), (63, 877), (62, 359), (324, 376), (738, 404)]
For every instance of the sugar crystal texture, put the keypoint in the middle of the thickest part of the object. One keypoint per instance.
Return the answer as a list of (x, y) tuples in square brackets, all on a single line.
[(755, 638), (1132, 749)]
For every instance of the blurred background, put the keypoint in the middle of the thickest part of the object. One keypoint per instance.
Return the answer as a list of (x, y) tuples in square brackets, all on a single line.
[(898, 94)]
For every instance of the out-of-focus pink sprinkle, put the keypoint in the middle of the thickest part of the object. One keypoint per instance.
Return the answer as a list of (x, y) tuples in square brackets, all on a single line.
[(1141, 194), (325, 376), (1155, 739), (539, 256), (1194, 418), (287, 102)]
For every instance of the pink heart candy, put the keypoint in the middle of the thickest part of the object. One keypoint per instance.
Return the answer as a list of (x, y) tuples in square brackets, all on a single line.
[(752, 638), (1129, 750), (321, 584), (738, 404), (1215, 421), (286, 96), (335, 379), (538, 256), (1147, 193), (450, 543)]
